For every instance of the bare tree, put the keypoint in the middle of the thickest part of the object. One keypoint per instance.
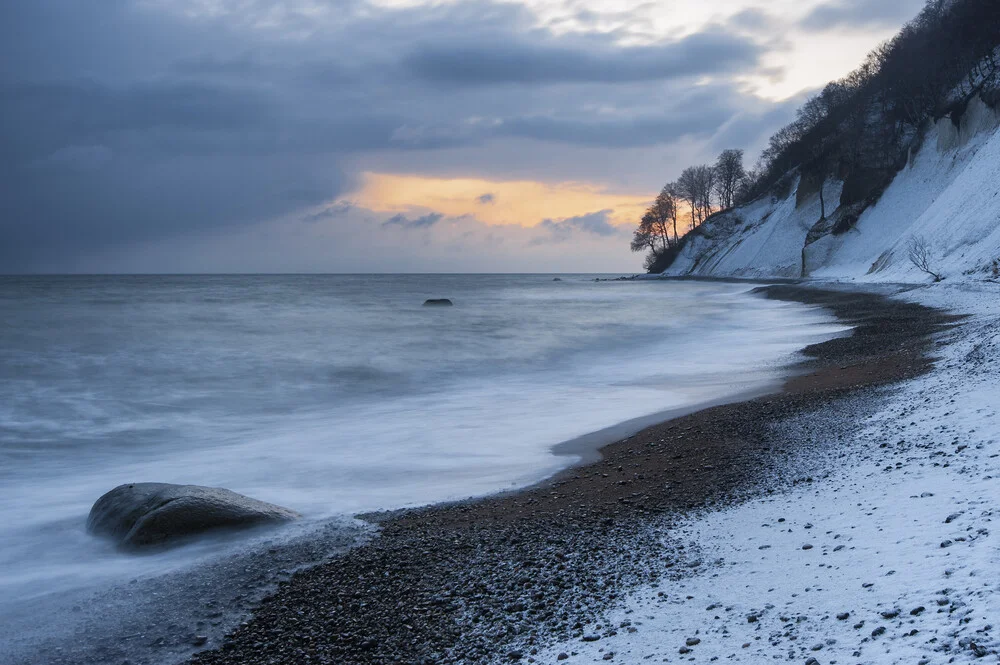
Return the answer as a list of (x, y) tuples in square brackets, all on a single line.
[(664, 212), (642, 238), (696, 187), (920, 255), (656, 224), (706, 188), (747, 187), (671, 190), (687, 190), (729, 175)]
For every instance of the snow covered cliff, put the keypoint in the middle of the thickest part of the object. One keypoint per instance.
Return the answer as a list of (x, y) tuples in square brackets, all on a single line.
[(948, 194)]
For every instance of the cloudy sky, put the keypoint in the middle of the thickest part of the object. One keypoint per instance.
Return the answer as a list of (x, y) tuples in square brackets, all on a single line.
[(384, 135)]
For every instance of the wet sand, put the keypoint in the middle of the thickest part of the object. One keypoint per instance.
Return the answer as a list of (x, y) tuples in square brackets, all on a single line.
[(490, 579)]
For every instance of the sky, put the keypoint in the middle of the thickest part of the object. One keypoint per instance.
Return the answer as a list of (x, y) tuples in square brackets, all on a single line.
[(385, 135)]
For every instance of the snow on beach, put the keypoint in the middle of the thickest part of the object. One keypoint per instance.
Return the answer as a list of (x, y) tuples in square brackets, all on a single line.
[(888, 555)]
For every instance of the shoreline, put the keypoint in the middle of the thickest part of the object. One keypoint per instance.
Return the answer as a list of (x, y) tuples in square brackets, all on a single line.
[(495, 577)]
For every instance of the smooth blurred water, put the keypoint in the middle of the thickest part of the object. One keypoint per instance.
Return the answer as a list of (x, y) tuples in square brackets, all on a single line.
[(336, 394)]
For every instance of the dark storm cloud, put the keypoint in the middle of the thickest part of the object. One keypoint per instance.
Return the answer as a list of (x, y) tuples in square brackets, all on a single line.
[(840, 14), (536, 63), (619, 132), (41, 116), (87, 165), (338, 210), (595, 223), (422, 222), (129, 121)]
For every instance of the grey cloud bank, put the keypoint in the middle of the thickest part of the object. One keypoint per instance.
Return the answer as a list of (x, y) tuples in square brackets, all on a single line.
[(595, 223), (422, 222), (128, 123), (848, 14), (521, 62)]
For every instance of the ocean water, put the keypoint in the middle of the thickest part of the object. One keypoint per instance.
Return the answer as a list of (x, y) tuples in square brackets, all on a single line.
[(334, 395)]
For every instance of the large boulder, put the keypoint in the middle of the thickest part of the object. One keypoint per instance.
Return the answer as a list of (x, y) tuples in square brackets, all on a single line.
[(144, 514)]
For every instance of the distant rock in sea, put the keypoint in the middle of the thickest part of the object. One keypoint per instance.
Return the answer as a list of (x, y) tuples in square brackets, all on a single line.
[(438, 302), (557, 279), (144, 514)]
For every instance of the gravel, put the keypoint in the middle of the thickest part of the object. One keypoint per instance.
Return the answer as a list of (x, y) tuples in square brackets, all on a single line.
[(489, 580)]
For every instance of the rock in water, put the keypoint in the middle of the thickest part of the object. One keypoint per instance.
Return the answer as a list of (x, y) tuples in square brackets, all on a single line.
[(143, 514), (438, 302)]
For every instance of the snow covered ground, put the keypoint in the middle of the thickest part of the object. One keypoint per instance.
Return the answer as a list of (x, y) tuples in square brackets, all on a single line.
[(890, 555)]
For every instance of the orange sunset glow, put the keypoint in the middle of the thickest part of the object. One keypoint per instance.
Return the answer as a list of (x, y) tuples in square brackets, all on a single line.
[(520, 202)]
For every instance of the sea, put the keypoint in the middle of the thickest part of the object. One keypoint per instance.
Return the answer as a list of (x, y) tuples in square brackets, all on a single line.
[(333, 395)]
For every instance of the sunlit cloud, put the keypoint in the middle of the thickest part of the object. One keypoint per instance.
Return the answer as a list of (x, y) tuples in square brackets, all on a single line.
[(519, 202)]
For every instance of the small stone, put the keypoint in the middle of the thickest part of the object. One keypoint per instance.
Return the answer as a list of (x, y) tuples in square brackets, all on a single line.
[(199, 640), (890, 614), (609, 655), (752, 618), (946, 543), (562, 656), (917, 611), (683, 650), (591, 638), (807, 546), (878, 631), (843, 616), (692, 641), (812, 661)]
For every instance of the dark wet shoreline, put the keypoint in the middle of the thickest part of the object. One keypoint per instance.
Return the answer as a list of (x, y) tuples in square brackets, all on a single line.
[(486, 579)]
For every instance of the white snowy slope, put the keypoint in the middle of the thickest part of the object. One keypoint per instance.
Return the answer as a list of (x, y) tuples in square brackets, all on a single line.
[(948, 194), (890, 554)]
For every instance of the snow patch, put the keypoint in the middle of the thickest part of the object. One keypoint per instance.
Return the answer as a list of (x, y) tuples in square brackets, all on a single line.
[(890, 558)]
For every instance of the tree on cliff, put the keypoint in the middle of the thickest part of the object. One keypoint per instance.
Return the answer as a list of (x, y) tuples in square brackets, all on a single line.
[(656, 224), (653, 234), (729, 176), (696, 187)]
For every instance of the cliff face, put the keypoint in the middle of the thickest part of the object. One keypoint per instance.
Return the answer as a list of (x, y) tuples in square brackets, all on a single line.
[(947, 194)]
